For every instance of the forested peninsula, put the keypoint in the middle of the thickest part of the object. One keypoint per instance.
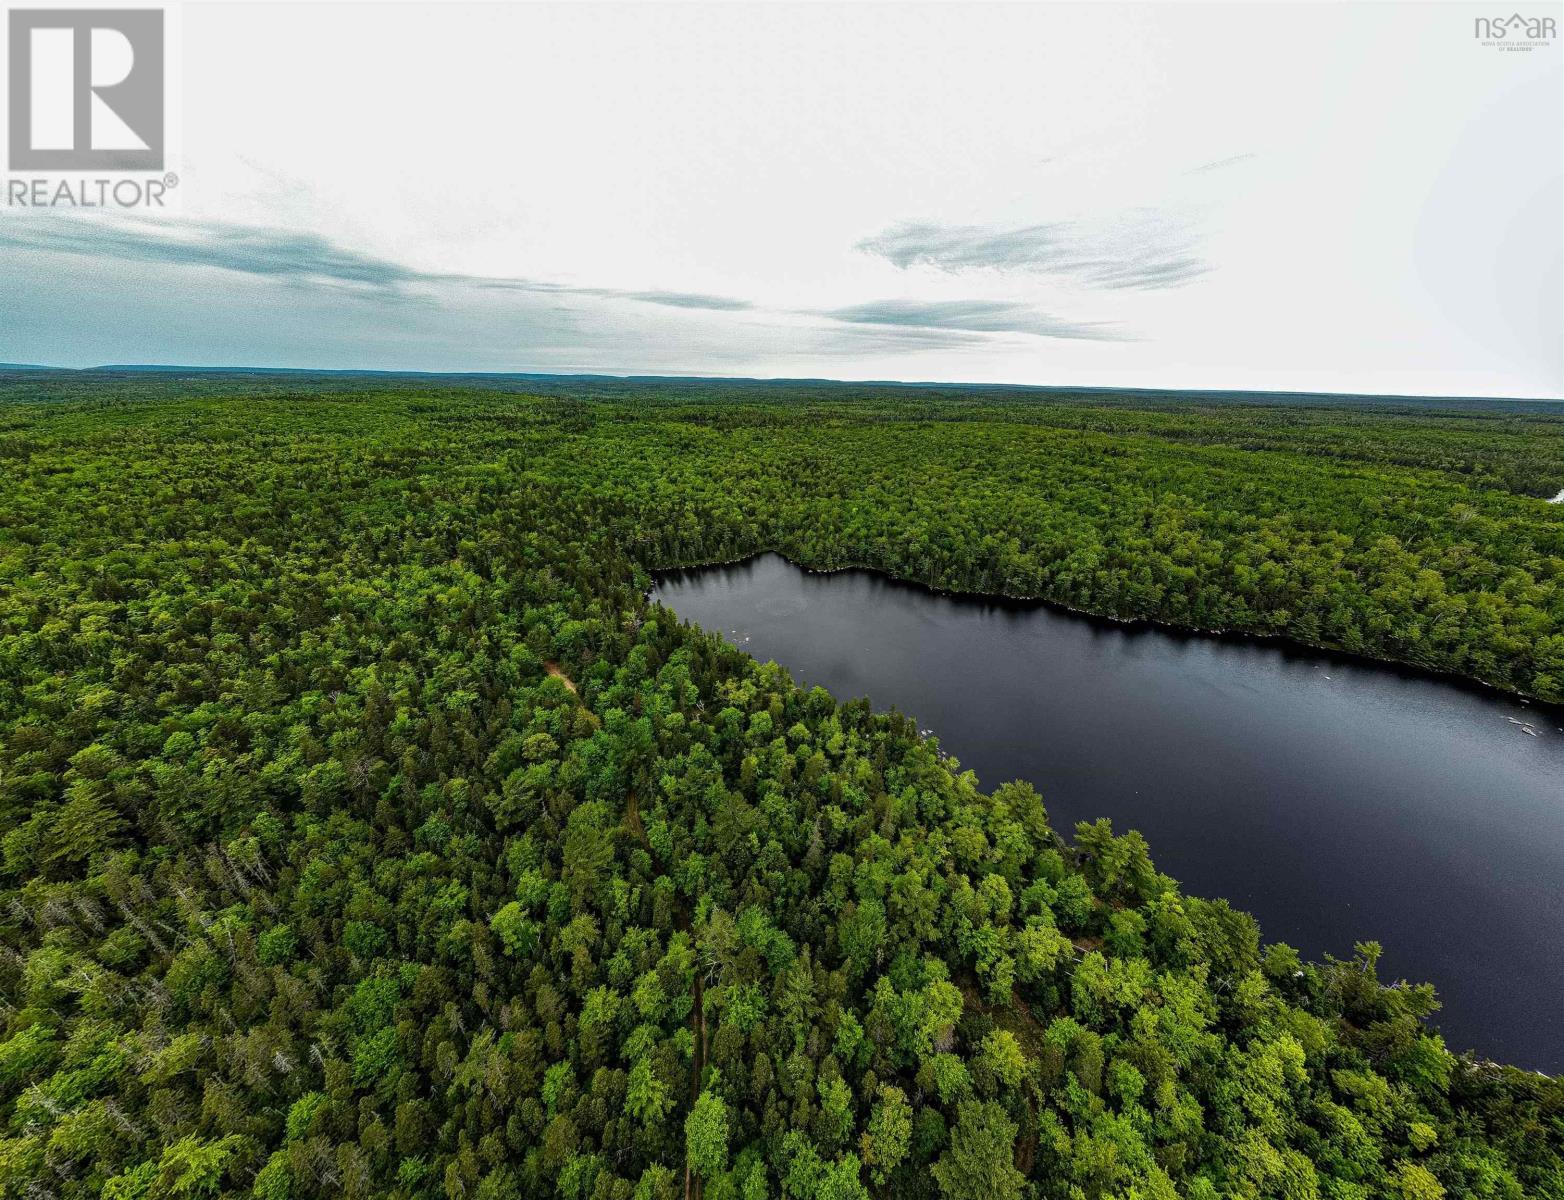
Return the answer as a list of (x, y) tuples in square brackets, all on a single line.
[(366, 831)]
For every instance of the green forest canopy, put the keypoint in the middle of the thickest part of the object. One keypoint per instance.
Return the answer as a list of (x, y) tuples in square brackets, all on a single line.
[(366, 832)]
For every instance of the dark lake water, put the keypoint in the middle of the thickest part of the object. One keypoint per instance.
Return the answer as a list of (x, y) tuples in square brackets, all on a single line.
[(1337, 800)]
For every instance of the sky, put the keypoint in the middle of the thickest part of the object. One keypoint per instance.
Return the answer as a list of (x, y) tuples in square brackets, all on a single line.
[(1289, 196)]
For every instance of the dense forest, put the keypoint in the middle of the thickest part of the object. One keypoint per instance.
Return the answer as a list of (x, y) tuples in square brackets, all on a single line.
[(365, 831)]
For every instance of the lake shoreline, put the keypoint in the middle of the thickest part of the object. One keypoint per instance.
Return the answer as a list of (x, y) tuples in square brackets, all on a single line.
[(1338, 798), (1280, 641)]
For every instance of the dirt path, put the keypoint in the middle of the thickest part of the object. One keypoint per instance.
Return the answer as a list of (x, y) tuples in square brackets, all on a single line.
[(633, 820), (1018, 1018), (553, 669), (692, 1182)]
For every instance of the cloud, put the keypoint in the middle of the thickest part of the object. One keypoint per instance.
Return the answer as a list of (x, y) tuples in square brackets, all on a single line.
[(278, 254), (1140, 250), (851, 339), (688, 300), (305, 259), (1219, 164), (421, 305), (971, 316)]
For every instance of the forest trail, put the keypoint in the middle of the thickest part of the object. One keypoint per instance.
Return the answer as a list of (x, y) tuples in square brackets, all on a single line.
[(633, 819), (692, 1181), (1031, 1033), (553, 669), (698, 1066), (1018, 1018)]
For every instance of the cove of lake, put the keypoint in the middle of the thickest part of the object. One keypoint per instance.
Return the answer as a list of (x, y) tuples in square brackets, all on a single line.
[(1338, 800)]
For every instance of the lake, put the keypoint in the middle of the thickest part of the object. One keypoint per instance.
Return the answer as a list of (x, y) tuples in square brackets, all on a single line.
[(1336, 799)]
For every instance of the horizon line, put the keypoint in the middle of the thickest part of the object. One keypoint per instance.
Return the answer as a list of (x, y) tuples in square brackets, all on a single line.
[(635, 377)]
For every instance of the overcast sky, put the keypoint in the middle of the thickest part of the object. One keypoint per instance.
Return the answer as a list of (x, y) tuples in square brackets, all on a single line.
[(1330, 197)]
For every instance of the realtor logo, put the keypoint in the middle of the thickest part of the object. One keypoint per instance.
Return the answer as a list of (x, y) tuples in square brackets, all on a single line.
[(86, 90)]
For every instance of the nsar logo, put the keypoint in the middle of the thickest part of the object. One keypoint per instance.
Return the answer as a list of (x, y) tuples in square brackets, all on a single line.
[(1514, 32)]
